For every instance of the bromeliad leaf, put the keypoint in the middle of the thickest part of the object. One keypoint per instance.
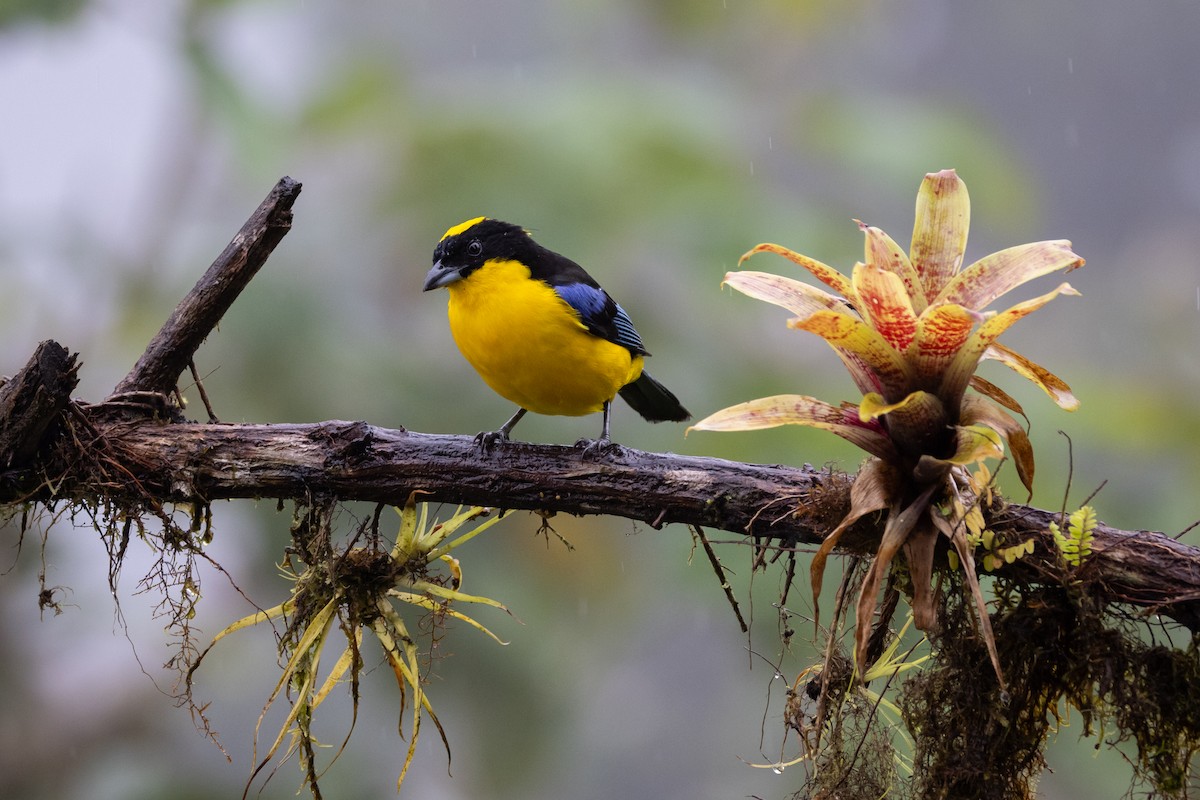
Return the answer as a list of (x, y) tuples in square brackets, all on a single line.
[(977, 411), (982, 283), (871, 491), (939, 239), (822, 272), (796, 409), (1047, 381), (877, 365), (884, 303), (884, 254), (941, 333), (962, 367), (912, 331), (796, 296)]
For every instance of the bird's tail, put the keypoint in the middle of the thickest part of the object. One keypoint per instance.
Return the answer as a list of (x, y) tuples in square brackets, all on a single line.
[(653, 401)]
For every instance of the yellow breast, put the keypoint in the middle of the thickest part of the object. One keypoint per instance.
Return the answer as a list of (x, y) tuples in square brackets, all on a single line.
[(530, 346)]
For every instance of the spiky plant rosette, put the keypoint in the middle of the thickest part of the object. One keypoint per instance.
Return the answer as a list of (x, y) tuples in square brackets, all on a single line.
[(912, 328), (362, 591)]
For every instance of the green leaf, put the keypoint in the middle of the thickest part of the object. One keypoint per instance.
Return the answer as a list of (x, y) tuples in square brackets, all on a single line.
[(1076, 544)]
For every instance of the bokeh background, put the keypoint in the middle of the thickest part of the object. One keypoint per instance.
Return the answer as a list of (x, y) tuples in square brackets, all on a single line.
[(654, 142)]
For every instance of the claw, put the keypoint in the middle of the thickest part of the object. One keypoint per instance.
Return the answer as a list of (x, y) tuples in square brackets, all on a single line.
[(595, 449), (486, 441)]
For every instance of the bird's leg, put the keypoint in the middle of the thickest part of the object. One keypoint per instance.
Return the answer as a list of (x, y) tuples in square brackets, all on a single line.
[(594, 448), (487, 440), (604, 437), (507, 427)]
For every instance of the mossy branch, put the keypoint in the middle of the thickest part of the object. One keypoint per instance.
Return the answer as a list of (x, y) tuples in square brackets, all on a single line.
[(125, 448), (777, 505)]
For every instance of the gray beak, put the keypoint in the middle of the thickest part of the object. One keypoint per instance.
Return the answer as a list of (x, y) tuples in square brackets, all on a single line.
[(440, 276)]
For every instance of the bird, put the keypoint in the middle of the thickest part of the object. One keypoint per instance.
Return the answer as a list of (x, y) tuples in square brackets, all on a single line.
[(541, 332)]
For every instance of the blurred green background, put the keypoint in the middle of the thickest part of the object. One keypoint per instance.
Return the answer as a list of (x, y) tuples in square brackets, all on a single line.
[(653, 142)]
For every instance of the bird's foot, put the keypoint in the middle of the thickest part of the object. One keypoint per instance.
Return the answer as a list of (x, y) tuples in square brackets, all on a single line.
[(486, 441), (595, 449)]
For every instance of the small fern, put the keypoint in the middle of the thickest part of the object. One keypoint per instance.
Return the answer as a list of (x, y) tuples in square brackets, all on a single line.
[(979, 536), (994, 557), (1076, 545)]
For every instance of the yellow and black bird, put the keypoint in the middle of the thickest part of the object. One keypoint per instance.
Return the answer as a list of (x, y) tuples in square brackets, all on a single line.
[(540, 331)]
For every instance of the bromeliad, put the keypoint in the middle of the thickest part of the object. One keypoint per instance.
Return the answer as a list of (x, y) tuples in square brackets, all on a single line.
[(912, 328)]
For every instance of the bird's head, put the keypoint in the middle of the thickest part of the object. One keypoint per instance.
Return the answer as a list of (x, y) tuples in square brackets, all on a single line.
[(469, 245)]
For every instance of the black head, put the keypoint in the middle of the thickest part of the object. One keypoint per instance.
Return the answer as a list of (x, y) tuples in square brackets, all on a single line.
[(465, 247)]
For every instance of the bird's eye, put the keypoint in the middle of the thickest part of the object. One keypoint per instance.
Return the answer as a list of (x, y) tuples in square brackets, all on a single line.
[(475, 248)]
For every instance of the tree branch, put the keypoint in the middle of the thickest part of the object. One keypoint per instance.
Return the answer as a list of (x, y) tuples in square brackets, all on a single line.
[(172, 348), (784, 506), (108, 457), (32, 399)]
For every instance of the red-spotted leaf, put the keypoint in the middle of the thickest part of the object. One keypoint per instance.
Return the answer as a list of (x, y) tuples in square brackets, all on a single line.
[(980, 284), (884, 302), (940, 230), (1050, 383), (797, 297), (883, 253), (795, 409), (822, 272)]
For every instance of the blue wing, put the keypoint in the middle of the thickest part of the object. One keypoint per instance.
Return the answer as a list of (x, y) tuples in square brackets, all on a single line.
[(601, 314)]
